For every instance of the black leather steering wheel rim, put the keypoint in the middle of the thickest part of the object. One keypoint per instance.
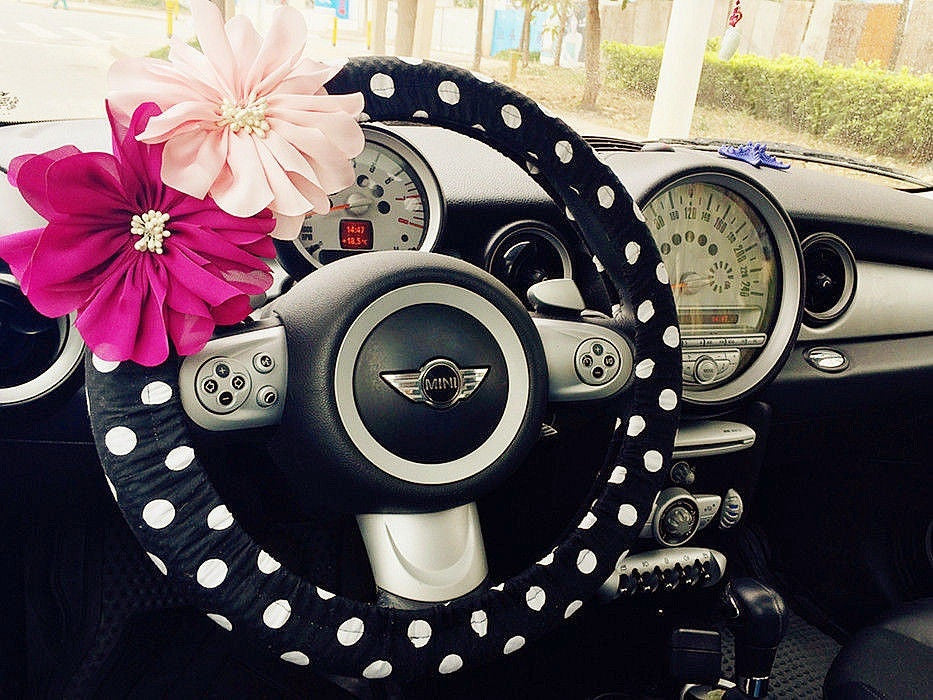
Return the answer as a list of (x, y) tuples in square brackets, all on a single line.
[(144, 443)]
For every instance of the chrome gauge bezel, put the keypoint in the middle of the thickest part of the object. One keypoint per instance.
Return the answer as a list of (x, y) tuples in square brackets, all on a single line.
[(436, 209), (839, 246), (790, 287)]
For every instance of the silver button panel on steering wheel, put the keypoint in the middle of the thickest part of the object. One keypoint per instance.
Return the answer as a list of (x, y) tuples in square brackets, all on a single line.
[(237, 381)]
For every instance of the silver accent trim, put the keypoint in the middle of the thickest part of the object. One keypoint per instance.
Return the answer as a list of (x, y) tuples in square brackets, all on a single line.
[(559, 294), (560, 340), (662, 559), (435, 209), (711, 437), (839, 246), (411, 384), (428, 557), (892, 300), (516, 370), (71, 348)]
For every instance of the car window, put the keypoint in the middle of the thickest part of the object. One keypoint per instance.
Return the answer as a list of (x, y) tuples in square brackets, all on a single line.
[(842, 77)]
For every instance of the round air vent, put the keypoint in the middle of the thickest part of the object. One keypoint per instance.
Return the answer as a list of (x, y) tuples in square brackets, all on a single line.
[(830, 278), (37, 354), (525, 253)]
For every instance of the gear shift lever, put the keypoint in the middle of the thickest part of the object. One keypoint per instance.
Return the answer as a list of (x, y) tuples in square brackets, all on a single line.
[(759, 621)]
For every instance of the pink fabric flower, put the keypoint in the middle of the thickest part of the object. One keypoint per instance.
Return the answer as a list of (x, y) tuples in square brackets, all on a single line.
[(248, 120), (139, 261)]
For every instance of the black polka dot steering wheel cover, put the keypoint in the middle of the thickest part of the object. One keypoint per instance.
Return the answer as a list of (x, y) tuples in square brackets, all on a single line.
[(163, 491)]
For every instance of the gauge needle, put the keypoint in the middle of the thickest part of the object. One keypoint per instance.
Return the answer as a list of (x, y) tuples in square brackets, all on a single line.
[(691, 282)]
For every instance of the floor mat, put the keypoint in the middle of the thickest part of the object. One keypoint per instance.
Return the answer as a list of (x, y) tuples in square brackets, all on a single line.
[(801, 663)]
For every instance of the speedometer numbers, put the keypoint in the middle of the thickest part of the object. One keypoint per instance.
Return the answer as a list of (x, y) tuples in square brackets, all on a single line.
[(720, 259), (388, 207)]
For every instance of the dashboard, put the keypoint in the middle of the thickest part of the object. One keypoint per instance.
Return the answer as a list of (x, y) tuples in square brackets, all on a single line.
[(780, 277)]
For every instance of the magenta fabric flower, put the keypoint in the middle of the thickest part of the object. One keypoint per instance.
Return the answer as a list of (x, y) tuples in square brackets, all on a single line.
[(247, 121), (139, 261)]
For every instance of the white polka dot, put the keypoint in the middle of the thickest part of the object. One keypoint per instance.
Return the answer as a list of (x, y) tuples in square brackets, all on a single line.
[(212, 573), (564, 151), (448, 92), (377, 669), (627, 514), (120, 440), (419, 633), (547, 559), (266, 563), (535, 598), (482, 77), (661, 272), (511, 116), (589, 520), (635, 425), (667, 400), (644, 369), (411, 60), (382, 85), (618, 475), (569, 214), (632, 250), (671, 337), (572, 608), (350, 632), (498, 587), (113, 489), (158, 513), (179, 458), (155, 393), (450, 663), (514, 644), (159, 564), (104, 366), (419, 114), (363, 117), (645, 311), (219, 518), (637, 211), (479, 622), (322, 594), (653, 460), (277, 614), (606, 196), (586, 561), (221, 621), (298, 658)]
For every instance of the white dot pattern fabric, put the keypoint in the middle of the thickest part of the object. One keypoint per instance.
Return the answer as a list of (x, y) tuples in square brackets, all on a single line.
[(203, 546)]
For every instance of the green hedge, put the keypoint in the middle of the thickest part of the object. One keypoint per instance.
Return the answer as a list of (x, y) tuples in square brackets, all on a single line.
[(884, 112)]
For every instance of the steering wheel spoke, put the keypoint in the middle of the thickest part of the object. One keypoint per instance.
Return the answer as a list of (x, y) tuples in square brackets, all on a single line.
[(420, 559), (238, 380)]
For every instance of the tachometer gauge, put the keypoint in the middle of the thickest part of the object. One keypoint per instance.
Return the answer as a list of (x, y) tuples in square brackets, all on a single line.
[(733, 265), (394, 204)]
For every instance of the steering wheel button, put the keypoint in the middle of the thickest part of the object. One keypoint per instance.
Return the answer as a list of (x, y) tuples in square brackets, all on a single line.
[(225, 398), (267, 396), (222, 370), (597, 349), (609, 360), (238, 382), (598, 372), (586, 361), (264, 362), (209, 386)]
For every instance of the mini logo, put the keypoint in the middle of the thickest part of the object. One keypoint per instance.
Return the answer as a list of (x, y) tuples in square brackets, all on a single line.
[(439, 383)]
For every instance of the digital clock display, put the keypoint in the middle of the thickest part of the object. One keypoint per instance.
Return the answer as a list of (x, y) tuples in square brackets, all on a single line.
[(356, 234)]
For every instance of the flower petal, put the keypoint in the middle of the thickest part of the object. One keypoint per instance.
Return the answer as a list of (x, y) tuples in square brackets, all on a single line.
[(241, 188), (209, 26), (287, 228), (191, 163), (282, 46)]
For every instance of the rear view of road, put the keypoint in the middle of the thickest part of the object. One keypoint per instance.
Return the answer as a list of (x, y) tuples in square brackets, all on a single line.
[(54, 62)]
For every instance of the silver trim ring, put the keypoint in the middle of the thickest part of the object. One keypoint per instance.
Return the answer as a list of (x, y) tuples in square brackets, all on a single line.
[(516, 366), (65, 363), (839, 247)]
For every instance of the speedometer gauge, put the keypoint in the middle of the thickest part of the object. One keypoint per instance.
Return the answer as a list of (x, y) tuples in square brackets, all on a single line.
[(733, 265), (393, 204)]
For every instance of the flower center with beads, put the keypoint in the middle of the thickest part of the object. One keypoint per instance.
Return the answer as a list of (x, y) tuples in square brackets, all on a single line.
[(251, 117), (150, 226)]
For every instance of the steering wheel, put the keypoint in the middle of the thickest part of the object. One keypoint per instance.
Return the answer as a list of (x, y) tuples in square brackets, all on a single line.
[(405, 385)]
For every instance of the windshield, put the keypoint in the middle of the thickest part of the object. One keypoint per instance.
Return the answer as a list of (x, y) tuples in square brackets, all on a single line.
[(844, 77)]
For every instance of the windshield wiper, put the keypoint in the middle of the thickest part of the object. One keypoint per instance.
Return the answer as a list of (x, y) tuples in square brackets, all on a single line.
[(811, 156)]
